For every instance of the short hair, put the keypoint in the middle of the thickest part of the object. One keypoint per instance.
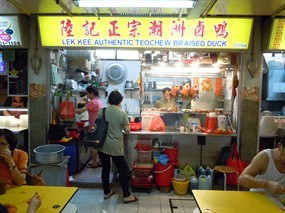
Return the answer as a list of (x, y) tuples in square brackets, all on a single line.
[(92, 89), (166, 89), (282, 141), (10, 138), (115, 98)]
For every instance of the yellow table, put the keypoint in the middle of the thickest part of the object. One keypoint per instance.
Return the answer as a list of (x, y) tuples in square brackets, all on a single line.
[(54, 198), (216, 201)]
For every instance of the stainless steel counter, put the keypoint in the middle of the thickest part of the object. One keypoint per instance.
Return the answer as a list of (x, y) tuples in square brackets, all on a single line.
[(178, 132)]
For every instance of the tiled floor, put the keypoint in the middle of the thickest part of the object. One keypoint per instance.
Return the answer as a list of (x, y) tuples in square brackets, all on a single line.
[(89, 197), (91, 200)]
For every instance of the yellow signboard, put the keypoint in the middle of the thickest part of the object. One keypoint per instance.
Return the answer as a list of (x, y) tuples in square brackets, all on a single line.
[(277, 36), (142, 32)]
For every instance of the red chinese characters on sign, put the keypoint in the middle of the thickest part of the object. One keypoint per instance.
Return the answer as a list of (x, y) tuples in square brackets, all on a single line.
[(156, 28), (134, 27), (199, 29), (221, 30), (66, 28), (113, 31), (178, 28), (89, 28)]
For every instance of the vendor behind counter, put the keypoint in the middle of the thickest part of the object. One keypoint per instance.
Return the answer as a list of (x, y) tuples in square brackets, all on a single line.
[(165, 101)]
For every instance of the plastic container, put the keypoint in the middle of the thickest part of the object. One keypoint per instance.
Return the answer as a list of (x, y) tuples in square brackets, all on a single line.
[(144, 157), (156, 153), (194, 121), (135, 126), (172, 153), (208, 171), (180, 187), (222, 121), (211, 121), (201, 171), (204, 182), (193, 183), (163, 159), (163, 174)]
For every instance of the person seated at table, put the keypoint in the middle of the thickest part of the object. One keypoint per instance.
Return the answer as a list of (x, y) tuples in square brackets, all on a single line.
[(165, 101), (13, 162), (15, 102), (34, 203), (266, 172)]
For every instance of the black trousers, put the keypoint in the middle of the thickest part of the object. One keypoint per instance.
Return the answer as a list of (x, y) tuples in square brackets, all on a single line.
[(123, 170)]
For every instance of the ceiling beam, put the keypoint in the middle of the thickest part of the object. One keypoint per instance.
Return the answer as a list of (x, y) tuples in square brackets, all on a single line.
[(18, 6), (180, 13), (208, 8), (96, 12), (110, 12), (198, 9), (278, 11), (64, 7)]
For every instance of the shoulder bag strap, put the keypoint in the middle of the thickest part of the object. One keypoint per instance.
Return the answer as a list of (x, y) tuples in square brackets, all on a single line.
[(104, 109)]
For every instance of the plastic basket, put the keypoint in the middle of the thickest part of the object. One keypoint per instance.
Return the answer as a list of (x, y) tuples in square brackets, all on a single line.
[(144, 156)]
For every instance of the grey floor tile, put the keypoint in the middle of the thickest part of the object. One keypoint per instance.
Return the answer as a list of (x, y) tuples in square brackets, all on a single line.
[(149, 209), (104, 208), (84, 199), (129, 208), (150, 200)]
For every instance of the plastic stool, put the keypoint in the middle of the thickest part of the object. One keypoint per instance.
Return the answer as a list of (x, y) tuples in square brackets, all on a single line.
[(226, 170)]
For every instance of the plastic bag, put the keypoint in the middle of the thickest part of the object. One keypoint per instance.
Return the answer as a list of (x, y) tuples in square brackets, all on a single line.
[(156, 124), (67, 109), (188, 171), (235, 162)]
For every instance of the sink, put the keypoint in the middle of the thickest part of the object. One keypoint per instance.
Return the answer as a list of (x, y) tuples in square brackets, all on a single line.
[(267, 126)]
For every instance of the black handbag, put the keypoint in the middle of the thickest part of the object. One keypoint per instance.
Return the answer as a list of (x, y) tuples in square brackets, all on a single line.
[(96, 137)]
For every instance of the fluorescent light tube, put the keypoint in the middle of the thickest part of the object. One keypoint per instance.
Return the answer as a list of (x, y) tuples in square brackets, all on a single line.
[(137, 3), (14, 109)]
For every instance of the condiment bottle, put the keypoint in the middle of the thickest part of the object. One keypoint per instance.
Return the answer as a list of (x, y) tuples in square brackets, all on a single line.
[(211, 121)]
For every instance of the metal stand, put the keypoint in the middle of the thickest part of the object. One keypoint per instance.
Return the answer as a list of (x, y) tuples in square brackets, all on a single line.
[(201, 140)]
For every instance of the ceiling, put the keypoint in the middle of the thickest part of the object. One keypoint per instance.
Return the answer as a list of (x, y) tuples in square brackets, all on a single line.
[(268, 8)]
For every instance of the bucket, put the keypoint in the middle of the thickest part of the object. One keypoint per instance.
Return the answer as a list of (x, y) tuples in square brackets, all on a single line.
[(180, 187), (172, 154), (163, 174)]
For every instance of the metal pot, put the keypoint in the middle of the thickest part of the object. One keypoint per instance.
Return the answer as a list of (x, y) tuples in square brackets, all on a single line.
[(49, 154)]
